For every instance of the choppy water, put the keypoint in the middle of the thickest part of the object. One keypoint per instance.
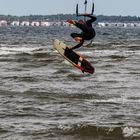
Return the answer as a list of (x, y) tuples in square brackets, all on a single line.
[(43, 97)]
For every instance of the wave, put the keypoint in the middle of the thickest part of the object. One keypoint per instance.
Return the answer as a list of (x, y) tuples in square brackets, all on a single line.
[(116, 53), (131, 132), (99, 132), (24, 49), (16, 50)]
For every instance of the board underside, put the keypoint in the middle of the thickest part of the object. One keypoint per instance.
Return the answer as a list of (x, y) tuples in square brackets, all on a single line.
[(74, 58)]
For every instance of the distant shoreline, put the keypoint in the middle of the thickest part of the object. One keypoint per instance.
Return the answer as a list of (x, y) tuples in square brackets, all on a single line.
[(60, 20), (63, 17)]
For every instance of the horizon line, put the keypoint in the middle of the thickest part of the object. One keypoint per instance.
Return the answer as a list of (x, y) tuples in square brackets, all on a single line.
[(63, 14)]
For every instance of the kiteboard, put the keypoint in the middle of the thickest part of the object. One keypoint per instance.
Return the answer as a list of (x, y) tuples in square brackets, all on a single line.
[(73, 57)]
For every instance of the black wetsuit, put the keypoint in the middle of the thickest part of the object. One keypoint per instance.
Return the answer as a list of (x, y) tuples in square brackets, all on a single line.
[(87, 33)]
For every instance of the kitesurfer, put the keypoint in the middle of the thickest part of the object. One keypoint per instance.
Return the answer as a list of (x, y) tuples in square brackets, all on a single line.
[(88, 31)]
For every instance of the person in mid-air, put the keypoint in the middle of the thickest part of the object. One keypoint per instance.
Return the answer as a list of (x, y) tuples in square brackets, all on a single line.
[(88, 32)]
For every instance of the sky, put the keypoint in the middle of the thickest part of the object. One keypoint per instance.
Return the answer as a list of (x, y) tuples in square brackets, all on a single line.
[(48, 7)]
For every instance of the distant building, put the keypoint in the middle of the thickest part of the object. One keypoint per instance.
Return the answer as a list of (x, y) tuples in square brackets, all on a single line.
[(65, 23), (137, 24), (58, 23), (125, 25), (45, 23), (102, 24), (15, 23), (3, 23), (133, 25), (120, 24), (35, 23), (25, 23)]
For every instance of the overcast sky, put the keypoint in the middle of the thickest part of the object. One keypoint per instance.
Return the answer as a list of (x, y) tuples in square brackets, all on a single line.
[(45, 7)]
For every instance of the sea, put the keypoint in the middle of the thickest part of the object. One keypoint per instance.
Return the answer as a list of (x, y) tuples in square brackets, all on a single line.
[(44, 97)]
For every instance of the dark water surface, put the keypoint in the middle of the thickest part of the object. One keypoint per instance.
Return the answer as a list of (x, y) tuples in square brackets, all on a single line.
[(43, 97)]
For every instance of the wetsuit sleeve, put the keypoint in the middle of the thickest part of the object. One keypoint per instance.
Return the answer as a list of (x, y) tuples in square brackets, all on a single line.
[(78, 45), (91, 20)]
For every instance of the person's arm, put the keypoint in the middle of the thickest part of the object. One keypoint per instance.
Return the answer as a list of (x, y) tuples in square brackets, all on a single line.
[(91, 20), (71, 21)]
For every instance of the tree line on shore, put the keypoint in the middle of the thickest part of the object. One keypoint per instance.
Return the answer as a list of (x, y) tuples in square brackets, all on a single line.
[(62, 17)]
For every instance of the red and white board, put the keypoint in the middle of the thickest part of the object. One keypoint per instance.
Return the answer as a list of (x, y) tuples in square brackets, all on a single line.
[(73, 57)]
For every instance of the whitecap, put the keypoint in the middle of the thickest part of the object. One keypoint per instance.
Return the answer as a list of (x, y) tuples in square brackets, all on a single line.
[(131, 132)]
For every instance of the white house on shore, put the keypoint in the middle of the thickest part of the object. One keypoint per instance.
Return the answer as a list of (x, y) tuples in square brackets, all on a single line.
[(35, 23), (118, 24), (45, 23), (3, 23), (15, 23), (137, 24), (25, 23), (65, 23), (102, 24)]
